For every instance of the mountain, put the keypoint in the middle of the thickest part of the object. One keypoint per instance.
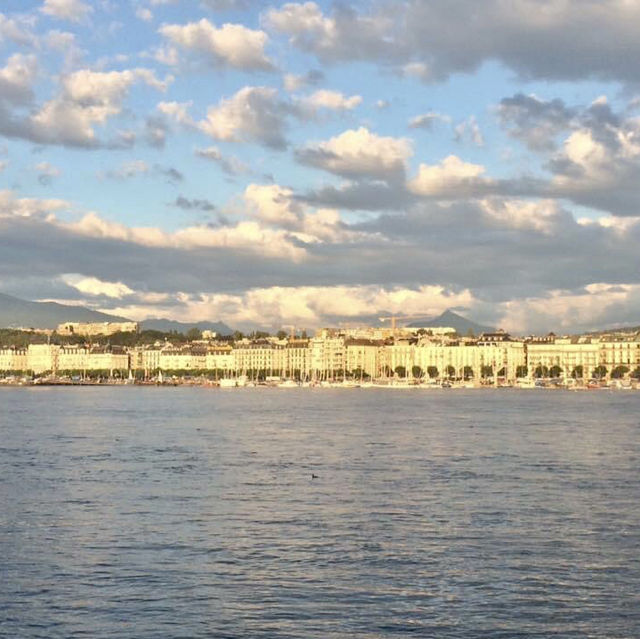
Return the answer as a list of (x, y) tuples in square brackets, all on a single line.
[(167, 326), (462, 325), (15, 312)]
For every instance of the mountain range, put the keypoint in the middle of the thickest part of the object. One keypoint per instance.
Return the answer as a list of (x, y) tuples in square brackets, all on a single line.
[(462, 325), (18, 313)]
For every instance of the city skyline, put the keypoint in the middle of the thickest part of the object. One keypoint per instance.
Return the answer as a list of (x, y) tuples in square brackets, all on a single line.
[(275, 163)]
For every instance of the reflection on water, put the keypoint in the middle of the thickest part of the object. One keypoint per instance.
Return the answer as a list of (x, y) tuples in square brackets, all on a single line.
[(190, 512)]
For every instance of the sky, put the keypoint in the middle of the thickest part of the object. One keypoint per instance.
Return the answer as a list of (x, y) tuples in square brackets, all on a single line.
[(314, 163)]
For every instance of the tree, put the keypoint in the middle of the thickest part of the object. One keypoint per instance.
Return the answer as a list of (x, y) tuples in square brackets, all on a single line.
[(237, 336), (619, 372), (541, 371), (281, 334), (432, 371), (502, 372), (401, 371), (578, 372), (486, 371), (467, 372), (416, 372), (451, 371), (522, 371), (600, 371), (636, 373), (555, 371), (194, 334)]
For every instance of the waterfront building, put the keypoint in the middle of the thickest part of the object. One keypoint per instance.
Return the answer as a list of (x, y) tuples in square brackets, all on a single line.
[(13, 360), (365, 357), (327, 356), (184, 358), (219, 358), (90, 329)]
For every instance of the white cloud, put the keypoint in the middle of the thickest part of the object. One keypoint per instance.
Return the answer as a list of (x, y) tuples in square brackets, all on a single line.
[(594, 307), (231, 45), (10, 206), (248, 236), (92, 286), (178, 111), (88, 98), (72, 10), (543, 216), (326, 99), (452, 177), (360, 153), (253, 114), (273, 204), (17, 77), (306, 306)]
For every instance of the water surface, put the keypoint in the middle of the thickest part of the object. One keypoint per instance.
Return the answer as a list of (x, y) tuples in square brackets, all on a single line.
[(193, 512)]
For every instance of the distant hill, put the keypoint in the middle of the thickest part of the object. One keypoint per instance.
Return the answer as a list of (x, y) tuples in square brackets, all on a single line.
[(15, 312), (462, 325), (166, 326)]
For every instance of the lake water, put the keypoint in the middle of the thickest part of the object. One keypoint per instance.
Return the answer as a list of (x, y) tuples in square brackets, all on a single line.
[(194, 512)]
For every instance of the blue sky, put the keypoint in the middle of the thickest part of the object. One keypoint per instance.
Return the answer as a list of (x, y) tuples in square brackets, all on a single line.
[(266, 163)]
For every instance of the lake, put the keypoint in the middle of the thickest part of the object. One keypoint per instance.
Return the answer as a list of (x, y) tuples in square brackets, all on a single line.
[(198, 512)]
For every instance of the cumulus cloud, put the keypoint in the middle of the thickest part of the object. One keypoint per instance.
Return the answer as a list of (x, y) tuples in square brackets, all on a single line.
[(432, 40), (18, 30), (17, 77), (359, 154), (87, 99), (72, 10), (293, 82), (334, 100), (451, 178), (273, 204), (231, 45), (499, 251), (253, 114), (534, 121), (92, 286)]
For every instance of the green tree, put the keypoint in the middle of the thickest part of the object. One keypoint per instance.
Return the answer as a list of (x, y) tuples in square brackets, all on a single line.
[(401, 371), (486, 371), (555, 371), (600, 371), (541, 371), (578, 372), (467, 372), (619, 372), (281, 334), (416, 372), (194, 334), (522, 371), (636, 373), (451, 371), (432, 372)]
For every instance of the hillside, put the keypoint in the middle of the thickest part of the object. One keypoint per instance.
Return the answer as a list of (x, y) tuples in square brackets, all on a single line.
[(15, 312), (462, 325)]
